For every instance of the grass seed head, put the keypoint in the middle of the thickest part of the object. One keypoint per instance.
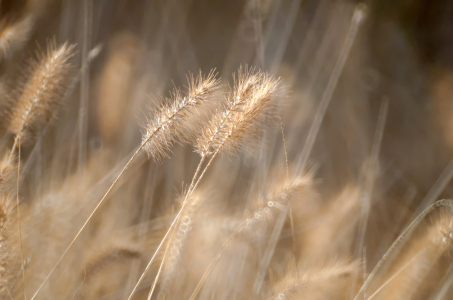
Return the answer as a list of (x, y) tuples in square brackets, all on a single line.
[(165, 127), (42, 93), (252, 98)]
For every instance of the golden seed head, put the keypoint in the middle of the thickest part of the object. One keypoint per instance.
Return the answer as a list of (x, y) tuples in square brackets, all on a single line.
[(43, 92)]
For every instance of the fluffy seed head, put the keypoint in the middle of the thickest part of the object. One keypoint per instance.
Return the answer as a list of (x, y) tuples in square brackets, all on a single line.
[(42, 93), (251, 99), (165, 127)]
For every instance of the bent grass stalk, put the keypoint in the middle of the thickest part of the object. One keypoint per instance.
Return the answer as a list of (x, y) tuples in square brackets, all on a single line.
[(401, 238), (395, 275)]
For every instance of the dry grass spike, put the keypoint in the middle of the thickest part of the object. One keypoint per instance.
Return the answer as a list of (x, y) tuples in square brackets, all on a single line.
[(41, 94), (164, 128), (253, 96)]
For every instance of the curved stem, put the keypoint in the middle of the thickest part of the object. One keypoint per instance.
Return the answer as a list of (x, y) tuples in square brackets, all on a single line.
[(395, 275), (401, 238)]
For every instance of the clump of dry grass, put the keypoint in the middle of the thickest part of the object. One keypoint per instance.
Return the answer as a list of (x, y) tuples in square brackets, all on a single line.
[(189, 223)]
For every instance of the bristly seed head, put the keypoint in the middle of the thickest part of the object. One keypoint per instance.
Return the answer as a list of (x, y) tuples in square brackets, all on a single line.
[(164, 129), (42, 93), (252, 98)]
